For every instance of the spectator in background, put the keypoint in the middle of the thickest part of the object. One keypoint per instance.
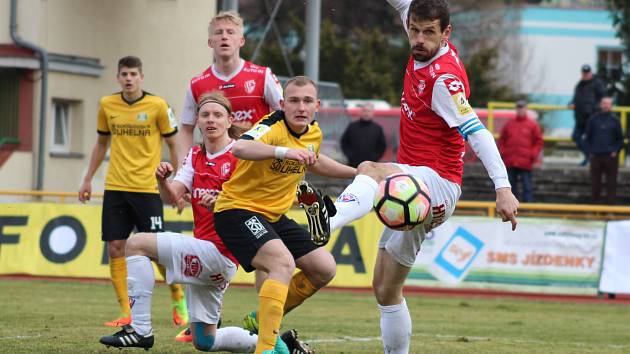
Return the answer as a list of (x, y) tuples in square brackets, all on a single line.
[(588, 92), (603, 139), (520, 144), (363, 139)]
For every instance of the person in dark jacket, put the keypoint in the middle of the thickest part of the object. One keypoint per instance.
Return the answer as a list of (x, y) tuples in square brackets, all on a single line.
[(588, 93), (363, 139), (520, 144), (603, 139)]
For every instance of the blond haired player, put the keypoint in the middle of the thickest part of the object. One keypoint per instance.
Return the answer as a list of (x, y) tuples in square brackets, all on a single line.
[(253, 90)]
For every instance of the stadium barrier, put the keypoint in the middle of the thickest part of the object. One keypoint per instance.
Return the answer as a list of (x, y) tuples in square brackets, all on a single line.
[(473, 249), (494, 105)]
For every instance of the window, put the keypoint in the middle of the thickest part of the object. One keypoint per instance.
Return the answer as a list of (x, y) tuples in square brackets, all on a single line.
[(60, 128), (9, 104), (610, 60)]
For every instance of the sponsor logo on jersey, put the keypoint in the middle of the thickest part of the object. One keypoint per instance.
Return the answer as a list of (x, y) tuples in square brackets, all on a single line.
[(225, 169), (250, 85), (454, 85), (421, 86), (200, 192), (458, 96), (287, 167), (347, 198), (130, 130), (461, 103), (253, 69), (226, 86), (114, 116), (255, 227), (405, 108), (258, 131), (244, 115), (431, 71), (142, 117), (437, 66), (192, 266)]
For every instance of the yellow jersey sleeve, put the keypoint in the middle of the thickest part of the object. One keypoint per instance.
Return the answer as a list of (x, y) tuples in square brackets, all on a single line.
[(166, 121), (101, 124)]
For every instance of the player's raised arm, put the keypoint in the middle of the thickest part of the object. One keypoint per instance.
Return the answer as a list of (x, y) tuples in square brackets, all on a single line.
[(451, 103), (327, 167), (256, 150)]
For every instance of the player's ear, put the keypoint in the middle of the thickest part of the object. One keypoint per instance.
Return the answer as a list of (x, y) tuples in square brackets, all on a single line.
[(282, 104), (447, 32), (317, 104), (230, 118), (242, 41), (209, 42)]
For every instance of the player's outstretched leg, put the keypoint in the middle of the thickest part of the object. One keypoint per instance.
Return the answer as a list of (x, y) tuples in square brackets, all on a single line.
[(127, 337), (318, 210)]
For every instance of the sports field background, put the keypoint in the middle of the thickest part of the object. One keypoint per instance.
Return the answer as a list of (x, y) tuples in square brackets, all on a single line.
[(41, 316)]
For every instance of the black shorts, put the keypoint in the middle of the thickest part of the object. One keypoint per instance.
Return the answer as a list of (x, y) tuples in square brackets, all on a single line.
[(122, 211), (243, 232)]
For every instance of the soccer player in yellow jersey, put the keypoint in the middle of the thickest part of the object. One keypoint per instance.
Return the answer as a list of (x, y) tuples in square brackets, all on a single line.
[(135, 122), (250, 211)]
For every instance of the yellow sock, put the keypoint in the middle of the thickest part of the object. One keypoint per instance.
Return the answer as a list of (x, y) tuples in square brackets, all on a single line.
[(300, 289), (177, 292), (271, 299), (118, 274)]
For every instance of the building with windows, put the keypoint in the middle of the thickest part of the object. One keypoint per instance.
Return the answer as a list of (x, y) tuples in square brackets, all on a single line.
[(83, 41)]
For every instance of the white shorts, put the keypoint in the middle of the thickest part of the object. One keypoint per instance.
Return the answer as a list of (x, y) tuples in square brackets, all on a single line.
[(405, 245), (202, 268)]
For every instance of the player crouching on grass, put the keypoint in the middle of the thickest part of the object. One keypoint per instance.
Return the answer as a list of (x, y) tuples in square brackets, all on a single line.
[(203, 263)]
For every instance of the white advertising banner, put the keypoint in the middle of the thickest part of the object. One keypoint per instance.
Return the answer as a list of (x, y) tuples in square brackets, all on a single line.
[(616, 268), (549, 255)]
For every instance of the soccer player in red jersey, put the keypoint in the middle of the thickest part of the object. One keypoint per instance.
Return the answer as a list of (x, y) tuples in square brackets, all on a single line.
[(203, 263), (253, 90), (436, 120)]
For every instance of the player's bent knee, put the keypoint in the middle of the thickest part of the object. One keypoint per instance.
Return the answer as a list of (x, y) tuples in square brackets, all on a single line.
[(200, 341), (386, 294), (136, 244), (366, 167)]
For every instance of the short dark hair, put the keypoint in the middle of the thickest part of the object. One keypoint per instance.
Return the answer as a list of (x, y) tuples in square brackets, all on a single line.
[(430, 10), (301, 81), (130, 61)]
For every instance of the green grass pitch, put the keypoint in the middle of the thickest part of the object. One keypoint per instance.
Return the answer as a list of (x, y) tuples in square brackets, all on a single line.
[(41, 316)]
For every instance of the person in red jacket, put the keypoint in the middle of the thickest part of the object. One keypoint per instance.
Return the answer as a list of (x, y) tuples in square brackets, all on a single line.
[(520, 144)]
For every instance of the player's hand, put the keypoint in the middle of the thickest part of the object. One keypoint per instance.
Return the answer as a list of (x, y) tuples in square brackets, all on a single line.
[(507, 206), (302, 156), (180, 204), (207, 201), (164, 170), (85, 191)]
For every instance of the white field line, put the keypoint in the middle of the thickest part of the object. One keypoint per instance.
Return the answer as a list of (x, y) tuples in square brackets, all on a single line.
[(21, 337), (452, 336)]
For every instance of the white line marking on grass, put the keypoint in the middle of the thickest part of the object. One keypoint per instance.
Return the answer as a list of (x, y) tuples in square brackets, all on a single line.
[(21, 337), (344, 339), (452, 336)]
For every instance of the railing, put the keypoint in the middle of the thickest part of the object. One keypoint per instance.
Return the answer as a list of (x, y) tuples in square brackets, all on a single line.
[(622, 110), (548, 210), (464, 207), (37, 195)]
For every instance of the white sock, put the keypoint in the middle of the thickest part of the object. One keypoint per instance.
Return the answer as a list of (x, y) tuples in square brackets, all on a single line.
[(395, 328), (355, 201), (140, 283), (235, 340)]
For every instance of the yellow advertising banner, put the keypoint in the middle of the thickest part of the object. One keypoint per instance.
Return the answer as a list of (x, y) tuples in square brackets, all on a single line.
[(47, 239)]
